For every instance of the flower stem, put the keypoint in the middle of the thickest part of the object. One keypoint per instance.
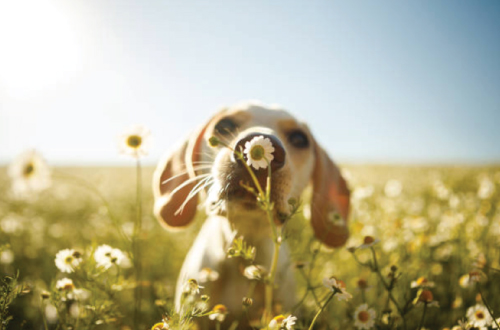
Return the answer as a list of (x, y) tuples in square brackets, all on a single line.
[(376, 269), (265, 198), (487, 305), (423, 318), (136, 250), (321, 309)]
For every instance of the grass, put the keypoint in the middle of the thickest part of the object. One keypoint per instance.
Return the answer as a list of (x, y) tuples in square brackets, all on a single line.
[(432, 222)]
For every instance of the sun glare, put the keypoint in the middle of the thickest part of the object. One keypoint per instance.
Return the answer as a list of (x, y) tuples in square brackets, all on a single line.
[(39, 47)]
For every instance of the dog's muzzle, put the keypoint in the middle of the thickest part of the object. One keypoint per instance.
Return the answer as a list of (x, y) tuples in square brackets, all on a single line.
[(278, 153), (239, 175)]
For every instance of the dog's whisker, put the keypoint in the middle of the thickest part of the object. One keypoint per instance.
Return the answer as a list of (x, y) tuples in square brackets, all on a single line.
[(196, 168), (189, 181), (205, 154), (196, 189)]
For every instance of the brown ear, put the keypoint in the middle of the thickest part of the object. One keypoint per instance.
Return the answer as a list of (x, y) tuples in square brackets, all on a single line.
[(169, 183), (330, 201)]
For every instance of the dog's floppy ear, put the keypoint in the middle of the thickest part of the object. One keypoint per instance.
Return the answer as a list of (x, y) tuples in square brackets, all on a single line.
[(170, 174), (330, 201)]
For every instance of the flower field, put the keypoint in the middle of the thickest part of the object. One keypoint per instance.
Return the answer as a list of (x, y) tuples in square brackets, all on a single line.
[(85, 252)]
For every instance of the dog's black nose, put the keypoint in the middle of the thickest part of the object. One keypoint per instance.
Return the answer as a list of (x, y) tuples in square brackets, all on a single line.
[(278, 153)]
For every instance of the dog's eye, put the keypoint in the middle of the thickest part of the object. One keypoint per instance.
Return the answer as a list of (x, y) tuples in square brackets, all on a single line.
[(298, 139), (226, 126)]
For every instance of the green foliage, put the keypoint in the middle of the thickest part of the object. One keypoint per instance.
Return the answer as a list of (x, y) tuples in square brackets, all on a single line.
[(435, 223), (9, 290)]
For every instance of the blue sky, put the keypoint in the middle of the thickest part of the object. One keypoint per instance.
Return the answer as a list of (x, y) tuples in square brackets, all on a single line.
[(377, 81)]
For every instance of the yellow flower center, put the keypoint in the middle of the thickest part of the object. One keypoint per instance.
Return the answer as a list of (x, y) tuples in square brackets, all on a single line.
[(158, 326), (479, 315), (279, 319), (134, 141), (221, 309), (257, 152), (363, 316), (28, 169), (421, 280), (68, 287), (68, 259)]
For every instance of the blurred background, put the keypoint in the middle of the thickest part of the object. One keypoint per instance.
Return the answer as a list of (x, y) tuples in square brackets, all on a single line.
[(405, 95), (377, 81)]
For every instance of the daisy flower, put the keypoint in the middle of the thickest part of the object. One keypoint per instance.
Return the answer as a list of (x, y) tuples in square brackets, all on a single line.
[(65, 284), (106, 256), (281, 322), (67, 260), (29, 173), (425, 297), (219, 313), (208, 275), (476, 276), (368, 241), (162, 325), (364, 317), (478, 316), (338, 287), (259, 151), (422, 282), (192, 286), (254, 272), (135, 141)]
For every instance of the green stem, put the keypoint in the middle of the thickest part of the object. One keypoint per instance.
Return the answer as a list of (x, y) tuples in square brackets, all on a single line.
[(487, 305), (309, 286), (386, 286), (272, 275), (321, 309), (136, 246), (423, 317), (44, 318), (265, 197)]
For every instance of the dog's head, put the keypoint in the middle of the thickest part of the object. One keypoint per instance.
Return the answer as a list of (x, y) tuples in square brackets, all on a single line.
[(195, 167)]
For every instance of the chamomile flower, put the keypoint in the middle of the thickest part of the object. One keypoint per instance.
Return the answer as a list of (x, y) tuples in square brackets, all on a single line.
[(364, 317), (165, 325), (259, 151), (281, 322), (208, 275), (219, 313), (421, 282), (67, 260), (192, 287), (478, 316), (425, 297), (368, 241), (65, 284), (29, 174), (254, 272), (135, 141), (338, 287), (106, 256), (159, 326)]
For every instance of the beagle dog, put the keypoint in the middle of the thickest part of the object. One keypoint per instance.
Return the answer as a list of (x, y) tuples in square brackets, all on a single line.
[(195, 168)]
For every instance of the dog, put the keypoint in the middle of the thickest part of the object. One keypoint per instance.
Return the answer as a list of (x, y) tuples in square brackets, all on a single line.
[(194, 168)]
